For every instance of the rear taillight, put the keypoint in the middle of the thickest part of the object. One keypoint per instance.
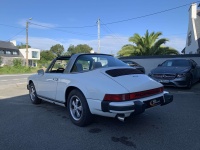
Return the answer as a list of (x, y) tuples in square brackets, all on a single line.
[(116, 97), (132, 96)]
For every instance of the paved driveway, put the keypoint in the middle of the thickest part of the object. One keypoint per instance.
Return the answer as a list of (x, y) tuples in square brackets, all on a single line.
[(26, 126)]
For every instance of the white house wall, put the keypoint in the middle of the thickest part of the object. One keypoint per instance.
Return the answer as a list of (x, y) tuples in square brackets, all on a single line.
[(192, 48), (30, 50)]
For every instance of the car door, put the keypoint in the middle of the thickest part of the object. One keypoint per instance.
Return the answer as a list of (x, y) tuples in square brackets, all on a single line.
[(47, 85), (48, 82)]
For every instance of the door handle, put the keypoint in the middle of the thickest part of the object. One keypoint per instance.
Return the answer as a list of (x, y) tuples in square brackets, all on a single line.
[(55, 79)]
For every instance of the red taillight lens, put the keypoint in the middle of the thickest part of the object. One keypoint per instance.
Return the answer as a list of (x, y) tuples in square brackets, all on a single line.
[(116, 97), (132, 96)]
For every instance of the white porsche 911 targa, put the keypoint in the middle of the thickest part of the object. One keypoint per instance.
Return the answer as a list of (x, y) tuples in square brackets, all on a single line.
[(97, 84)]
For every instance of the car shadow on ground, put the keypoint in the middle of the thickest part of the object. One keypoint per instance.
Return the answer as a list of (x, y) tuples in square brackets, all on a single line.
[(36, 122)]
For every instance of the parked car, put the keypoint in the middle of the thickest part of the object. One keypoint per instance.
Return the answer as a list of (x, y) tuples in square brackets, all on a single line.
[(177, 72), (98, 84), (134, 64)]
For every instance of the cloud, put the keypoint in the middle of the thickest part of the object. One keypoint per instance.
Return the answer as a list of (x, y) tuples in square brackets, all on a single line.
[(41, 43), (36, 24), (176, 42), (108, 44)]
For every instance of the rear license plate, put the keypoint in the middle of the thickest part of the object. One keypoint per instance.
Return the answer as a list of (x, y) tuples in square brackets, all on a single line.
[(153, 102)]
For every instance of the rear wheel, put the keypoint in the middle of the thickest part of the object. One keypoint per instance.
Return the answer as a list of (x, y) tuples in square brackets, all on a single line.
[(33, 94), (78, 109)]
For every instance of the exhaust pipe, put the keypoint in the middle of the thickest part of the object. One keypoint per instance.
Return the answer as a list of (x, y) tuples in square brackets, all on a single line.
[(121, 117)]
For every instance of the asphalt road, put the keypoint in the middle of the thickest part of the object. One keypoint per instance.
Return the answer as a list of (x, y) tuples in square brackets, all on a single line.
[(12, 80), (46, 126)]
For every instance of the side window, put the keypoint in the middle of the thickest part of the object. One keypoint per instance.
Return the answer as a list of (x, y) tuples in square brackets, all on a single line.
[(58, 67), (81, 65)]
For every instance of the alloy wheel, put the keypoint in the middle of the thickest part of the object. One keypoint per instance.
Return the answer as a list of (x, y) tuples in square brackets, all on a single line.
[(76, 107)]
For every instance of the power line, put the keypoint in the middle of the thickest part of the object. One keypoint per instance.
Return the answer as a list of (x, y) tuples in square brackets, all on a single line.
[(113, 35), (53, 28), (10, 26), (155, 13), (16, 34), (89, 26)]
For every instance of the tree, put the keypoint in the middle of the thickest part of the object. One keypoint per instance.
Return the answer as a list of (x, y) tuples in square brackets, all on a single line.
[(57, 49), (46, 56), (22, 46), (81, 48), (149, 44)]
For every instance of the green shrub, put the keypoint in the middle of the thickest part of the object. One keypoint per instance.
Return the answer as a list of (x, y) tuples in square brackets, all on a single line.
[(17, 62), (1, 60)]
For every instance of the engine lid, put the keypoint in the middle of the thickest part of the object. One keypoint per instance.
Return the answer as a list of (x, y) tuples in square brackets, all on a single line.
[(132, 79)]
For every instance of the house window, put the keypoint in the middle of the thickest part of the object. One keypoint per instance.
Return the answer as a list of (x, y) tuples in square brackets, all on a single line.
[(1, 51), (34, 54), (15, 53), (189, 38), (8, 52)]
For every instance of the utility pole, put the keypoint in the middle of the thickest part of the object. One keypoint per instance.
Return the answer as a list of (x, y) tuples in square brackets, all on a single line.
[(98, 24), (27, 22)]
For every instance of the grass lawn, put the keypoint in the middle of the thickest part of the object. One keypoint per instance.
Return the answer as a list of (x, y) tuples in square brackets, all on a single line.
[(17, 70)]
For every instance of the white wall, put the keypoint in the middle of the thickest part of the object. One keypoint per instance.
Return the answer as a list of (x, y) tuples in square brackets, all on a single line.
[(192, 48), (151, 63), (30, 50)]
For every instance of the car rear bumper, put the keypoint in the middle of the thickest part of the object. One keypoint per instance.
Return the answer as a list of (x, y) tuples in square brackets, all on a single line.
[(137, 106)]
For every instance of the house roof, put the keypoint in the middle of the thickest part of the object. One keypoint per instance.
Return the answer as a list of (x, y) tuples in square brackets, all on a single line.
[(7, 45)]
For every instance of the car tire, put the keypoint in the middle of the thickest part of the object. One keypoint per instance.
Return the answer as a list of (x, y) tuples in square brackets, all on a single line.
[(189, 84), (78, 108), (33, 95)]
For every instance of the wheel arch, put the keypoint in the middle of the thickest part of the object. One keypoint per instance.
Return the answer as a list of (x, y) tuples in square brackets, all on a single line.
[(68, 90)]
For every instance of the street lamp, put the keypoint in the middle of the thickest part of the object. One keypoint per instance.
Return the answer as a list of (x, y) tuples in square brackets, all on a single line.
[(27, 22)]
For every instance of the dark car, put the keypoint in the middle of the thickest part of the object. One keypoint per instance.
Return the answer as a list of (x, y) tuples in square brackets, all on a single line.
[(177, 72), (134, 64)]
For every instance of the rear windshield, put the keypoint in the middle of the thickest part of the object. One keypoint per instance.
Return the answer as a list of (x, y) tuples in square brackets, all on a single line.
[(90, 62)]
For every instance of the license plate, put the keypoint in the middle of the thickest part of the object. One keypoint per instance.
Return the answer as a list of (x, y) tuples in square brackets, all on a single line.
[(153, 102), (164, 81)]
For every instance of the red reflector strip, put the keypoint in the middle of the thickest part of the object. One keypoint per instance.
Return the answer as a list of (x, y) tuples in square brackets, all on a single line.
[(146, 93), (132, 96)]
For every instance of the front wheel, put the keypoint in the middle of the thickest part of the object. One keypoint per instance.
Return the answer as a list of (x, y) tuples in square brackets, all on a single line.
[(33, 94), (78, 109), (189, 84)]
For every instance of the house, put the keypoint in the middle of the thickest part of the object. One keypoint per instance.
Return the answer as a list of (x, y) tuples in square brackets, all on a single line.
[(9, 51), (33, 55), (193, 33)]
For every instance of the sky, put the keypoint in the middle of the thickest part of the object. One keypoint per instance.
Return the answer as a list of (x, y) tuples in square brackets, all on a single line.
[(73, 22)]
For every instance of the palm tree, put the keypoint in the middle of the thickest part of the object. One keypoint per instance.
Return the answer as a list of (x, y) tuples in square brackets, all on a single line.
[(150, 44)]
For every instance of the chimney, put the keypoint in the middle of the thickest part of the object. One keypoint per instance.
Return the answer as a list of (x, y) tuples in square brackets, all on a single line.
[(193, 11), (14, 42)]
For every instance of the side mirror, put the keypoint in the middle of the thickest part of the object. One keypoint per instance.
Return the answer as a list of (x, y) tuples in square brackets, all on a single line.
[(40, 72)]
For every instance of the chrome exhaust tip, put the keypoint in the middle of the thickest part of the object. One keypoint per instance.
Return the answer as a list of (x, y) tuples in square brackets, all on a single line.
[(121, 117)]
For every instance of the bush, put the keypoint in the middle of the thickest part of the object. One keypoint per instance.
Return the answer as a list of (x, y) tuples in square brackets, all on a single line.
[(17, 62), (1, 60)]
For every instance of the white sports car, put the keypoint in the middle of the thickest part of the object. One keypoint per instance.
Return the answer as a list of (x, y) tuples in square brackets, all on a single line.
[(97, 84)]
